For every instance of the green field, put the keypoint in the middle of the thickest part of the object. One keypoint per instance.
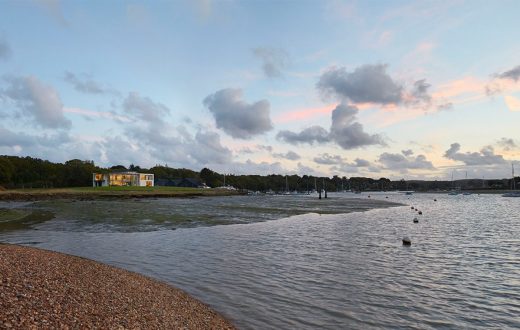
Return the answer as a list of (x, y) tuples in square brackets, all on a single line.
[(100, 192)]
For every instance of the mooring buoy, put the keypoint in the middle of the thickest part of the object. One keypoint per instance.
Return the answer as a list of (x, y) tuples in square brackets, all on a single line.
[(415, 220), (420, 212)]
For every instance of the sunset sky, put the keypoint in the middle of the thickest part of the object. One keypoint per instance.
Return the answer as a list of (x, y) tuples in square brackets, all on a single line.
[(397, 89)]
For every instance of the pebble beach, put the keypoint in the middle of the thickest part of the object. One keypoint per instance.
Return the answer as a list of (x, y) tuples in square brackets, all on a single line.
[(43, 289)]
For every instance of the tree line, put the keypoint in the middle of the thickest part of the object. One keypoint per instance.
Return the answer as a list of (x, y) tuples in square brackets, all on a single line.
[(28, 172)]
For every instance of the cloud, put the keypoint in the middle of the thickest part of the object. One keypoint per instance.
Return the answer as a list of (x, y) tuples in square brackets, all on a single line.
[(9, 138), (344, 131), (251, 167), (420, 91), (512, 103), (264, 147), (236, 117), (89, 114), (307, 170), (408, 152), (43, 145), (37, 100), (366, 84), (145, 109), (403, 164), (290, 155), (5, 50), (274, 60), (154, 138), (311, 135), (507, 144), (119, 150), (85, 85), (504, 82), (178, 146), (486, 156), (327, 159), (341, 164), (358, 162), (303, 114), (513, 74), (206, 148), (445, 106), (348, 133)]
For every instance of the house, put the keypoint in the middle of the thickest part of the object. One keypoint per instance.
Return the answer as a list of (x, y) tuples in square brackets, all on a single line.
[(184, 182), (124, 178)]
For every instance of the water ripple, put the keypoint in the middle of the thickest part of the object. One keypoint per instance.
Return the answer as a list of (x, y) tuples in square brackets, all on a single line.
[(328, 271)]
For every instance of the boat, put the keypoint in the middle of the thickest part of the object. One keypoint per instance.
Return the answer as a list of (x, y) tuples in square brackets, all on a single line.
[(453, 192), (466, 193), (287, 192), (512, 193)]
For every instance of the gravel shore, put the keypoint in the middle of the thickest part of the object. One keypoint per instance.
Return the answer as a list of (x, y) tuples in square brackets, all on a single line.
[(43, 289)]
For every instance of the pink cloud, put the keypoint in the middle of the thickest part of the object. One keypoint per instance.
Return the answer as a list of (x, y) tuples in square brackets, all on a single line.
[(304, 114), (512, 103), (460, 87)]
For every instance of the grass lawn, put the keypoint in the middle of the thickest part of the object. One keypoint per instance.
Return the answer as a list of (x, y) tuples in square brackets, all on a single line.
[(126, 191)]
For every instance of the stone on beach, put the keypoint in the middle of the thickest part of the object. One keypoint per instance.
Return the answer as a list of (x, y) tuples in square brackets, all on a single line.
[(44, 289)]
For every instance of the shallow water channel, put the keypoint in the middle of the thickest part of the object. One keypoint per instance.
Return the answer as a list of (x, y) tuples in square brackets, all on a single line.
[(295, 262)]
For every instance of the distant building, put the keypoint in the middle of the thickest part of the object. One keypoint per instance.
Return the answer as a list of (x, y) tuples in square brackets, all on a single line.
[(184, 182), (126, 178)]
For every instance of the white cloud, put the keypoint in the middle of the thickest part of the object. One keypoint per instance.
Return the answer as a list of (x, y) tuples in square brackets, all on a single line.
[(236, 117), (38, 101)]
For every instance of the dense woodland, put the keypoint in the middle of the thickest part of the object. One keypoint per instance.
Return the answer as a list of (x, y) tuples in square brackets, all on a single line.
[(28, 172)]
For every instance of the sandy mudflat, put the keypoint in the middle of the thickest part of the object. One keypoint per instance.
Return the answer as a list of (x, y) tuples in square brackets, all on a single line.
[(43, 289)]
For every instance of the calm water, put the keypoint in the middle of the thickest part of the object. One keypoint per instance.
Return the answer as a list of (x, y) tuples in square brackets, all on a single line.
[(306, 270)]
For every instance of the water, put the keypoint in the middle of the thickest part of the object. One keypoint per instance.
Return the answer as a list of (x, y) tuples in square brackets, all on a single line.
[(328, 271)]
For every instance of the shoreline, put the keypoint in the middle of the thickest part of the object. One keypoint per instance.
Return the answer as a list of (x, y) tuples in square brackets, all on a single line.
[(89, 193), (41, 288)]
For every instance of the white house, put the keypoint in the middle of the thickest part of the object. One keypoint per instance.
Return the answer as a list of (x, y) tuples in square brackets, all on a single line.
[(126, 178)]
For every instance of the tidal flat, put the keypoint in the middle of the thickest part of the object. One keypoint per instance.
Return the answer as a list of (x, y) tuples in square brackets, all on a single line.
[(152, 214)]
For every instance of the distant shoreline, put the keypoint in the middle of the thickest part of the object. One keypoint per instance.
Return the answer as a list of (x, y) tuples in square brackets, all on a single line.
[(91, 193), (41, 288)]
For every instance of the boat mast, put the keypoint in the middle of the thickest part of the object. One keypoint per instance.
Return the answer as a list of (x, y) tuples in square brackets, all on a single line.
[(513, 173)]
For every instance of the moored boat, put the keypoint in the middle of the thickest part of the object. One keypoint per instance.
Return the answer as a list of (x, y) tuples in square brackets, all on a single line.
[(512, 193)]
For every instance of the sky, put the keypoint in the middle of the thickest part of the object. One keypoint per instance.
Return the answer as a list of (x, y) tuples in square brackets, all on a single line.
[(395, 89)]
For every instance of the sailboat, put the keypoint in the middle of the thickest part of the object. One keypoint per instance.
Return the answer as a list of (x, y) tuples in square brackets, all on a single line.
[(287, 192), (512, 193), (466, 193), (453, 192)]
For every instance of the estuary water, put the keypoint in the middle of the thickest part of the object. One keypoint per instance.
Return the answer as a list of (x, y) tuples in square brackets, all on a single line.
[(294, 262)]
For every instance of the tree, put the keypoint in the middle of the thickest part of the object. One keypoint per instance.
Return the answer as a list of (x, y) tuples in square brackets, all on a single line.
[(6, 171)]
